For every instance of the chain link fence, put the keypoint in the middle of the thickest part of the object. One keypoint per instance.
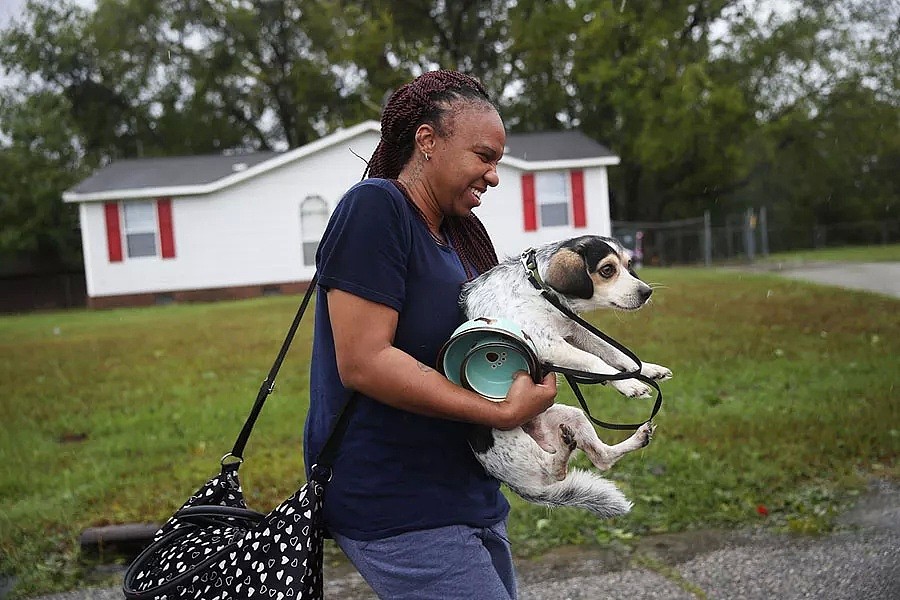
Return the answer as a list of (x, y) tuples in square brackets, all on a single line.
[(741, 237)]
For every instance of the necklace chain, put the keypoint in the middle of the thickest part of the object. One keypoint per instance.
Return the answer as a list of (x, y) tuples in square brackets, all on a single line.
[(405, 190)]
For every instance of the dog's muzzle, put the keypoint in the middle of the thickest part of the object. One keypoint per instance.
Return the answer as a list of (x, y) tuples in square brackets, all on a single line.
[(484, 354)]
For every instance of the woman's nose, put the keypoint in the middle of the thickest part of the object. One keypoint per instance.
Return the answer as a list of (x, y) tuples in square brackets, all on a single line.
[(491, 177)]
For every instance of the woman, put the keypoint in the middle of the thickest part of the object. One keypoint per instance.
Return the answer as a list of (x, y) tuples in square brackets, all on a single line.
[(408, 503)]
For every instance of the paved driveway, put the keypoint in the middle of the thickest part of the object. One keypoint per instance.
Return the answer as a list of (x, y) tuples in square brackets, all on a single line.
[(880, 277)]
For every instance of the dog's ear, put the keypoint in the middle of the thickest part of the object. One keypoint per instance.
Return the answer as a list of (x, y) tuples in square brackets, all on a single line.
[(567, 274)]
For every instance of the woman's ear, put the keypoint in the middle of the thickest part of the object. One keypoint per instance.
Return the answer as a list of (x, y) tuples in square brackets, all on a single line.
[(567, 274), (425, 139)]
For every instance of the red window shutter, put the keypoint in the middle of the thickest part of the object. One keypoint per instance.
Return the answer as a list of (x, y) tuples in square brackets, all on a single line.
[(166, 234), (113, 231), (579, 216), (529, 207)]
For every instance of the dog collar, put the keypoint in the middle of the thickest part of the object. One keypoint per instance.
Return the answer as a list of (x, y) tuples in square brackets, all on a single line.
[(531, 270)]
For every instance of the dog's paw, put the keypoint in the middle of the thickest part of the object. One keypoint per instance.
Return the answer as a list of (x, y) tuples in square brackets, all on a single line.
[(632, 388), (644, 433), (657, 372), (567, 436)]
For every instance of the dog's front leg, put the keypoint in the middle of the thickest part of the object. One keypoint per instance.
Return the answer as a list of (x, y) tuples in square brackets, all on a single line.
[(566, 355), (585, 340)]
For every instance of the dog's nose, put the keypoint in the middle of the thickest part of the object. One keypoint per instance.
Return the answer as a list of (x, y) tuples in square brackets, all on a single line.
[(645, 293)]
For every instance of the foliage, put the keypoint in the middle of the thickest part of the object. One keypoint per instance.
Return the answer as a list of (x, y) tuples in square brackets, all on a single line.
[(779, 401)]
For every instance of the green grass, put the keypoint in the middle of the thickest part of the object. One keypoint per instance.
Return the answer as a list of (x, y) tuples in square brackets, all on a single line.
[(784, 397), (886, 252)]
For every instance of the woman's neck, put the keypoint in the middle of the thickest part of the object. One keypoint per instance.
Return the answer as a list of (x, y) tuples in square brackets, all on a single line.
[(417, 193)]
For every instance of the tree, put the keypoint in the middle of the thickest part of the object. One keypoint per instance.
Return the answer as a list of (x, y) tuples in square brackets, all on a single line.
[(647, 84), (825, 89), (37, 162)]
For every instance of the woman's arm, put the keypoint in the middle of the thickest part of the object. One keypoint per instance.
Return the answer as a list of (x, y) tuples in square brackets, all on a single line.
[(368, 362)]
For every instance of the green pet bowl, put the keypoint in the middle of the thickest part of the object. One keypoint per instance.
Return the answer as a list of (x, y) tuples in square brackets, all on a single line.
[(484, 354)]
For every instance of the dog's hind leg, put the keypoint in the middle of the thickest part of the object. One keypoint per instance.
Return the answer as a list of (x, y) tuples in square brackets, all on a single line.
[(556, 439), (603, 456)]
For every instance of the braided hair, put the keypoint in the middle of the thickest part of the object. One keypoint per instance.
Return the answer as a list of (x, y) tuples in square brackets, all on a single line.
[(431, 98)]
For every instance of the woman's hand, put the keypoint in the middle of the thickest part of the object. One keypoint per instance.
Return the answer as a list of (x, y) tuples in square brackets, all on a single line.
[(526, 400)]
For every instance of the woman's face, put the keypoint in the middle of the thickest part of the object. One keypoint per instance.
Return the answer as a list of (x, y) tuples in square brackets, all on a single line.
[(464, 163)]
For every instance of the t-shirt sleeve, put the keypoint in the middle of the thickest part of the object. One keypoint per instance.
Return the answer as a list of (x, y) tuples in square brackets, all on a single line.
[(365, 247)]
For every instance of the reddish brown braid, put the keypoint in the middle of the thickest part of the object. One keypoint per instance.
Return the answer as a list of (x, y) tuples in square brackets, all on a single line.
[(427, 99)]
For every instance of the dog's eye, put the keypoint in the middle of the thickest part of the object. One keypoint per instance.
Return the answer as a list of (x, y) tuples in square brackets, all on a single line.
[(607, 271)]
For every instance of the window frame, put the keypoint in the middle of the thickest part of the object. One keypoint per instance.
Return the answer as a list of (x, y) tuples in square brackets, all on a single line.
[(542, 200), (149, 227)]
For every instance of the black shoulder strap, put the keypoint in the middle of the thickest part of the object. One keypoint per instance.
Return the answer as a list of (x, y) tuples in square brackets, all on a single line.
[(269, 384)]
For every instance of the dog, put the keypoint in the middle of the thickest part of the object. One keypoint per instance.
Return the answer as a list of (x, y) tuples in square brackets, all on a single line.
[(586, 273)]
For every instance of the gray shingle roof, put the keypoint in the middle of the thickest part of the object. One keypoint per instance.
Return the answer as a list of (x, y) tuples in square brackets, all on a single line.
[(184, 171), (554, 145), (140, 173)]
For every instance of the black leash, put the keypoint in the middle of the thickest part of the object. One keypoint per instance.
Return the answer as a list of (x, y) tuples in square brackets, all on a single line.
[(575, 376)]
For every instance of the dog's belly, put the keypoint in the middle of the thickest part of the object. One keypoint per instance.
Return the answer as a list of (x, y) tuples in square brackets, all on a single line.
[(512, 456)]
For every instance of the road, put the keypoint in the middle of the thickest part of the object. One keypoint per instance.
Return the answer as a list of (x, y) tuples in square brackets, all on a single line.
[(879, 277)]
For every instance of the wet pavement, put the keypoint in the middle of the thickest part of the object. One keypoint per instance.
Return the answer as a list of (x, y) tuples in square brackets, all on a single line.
[(878, 277)]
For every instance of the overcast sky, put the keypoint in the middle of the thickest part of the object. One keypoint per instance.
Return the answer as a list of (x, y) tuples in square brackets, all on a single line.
[(12, 8)]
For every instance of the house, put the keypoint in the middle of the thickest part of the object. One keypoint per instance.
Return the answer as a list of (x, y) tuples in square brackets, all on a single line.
[(159, 230)]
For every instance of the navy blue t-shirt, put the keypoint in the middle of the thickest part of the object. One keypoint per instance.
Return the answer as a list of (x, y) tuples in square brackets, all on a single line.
[(395, 471)]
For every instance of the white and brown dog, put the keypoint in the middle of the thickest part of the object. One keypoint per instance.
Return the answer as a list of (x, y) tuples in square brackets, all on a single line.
[(587, 273)]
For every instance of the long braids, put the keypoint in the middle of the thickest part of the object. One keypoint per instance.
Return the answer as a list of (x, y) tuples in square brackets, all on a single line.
[(426, 100)]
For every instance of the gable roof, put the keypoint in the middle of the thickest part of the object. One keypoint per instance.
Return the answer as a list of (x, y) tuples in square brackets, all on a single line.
[(554, 145), (196, 175), (137, 173)]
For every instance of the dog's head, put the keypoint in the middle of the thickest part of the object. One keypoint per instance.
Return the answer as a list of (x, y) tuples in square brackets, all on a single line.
[(595, 272)]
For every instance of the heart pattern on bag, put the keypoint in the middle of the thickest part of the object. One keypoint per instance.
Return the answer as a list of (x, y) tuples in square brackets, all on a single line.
[(231, 557)]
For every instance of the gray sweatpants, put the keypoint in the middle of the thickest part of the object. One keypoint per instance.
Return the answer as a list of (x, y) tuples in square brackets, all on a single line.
[(454, 562)]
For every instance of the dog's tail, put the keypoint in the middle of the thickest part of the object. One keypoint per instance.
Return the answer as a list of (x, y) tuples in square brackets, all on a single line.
[(581, 489)]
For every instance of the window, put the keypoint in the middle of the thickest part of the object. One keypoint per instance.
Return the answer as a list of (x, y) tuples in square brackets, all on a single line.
[(140, 228), (313, 219), (147, 226), (553, 199), (552, 191)]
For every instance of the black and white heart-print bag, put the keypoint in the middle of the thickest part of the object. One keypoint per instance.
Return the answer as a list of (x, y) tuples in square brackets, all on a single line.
[(214, 547)]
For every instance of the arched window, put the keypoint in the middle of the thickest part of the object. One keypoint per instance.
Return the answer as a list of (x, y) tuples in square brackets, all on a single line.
[(313, 219)]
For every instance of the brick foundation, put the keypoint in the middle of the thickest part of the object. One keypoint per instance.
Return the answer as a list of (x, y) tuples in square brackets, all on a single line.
[(206, 295)]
